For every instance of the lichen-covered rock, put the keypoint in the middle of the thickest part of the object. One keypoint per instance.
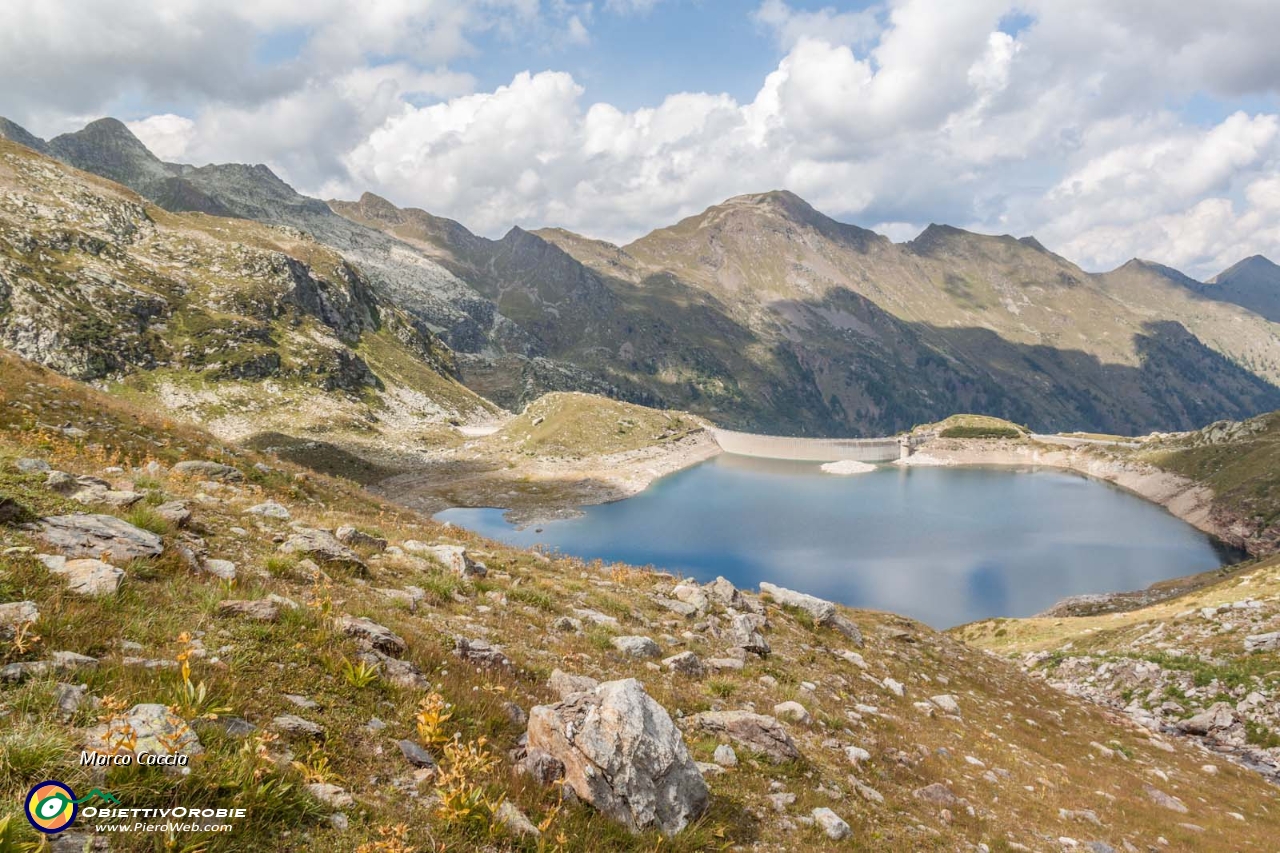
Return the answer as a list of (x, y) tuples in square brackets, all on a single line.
[(623, 755), (15, 614), (86, 535)]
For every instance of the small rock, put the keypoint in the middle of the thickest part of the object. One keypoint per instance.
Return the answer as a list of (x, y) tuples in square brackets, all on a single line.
[(947, 703), (348, 535), (415, 754), (831, 823), (208, 471), (85, 576), (745, 633), (480, 652), (564, 684), (331, 795), (686, 663), (174, 512), (15, 614), (291, 724), (259, 610), (1160, 798), (324, 549), (856, 754), (270, 509), (725, 756), (895, 687), (372, 634), (452, 557), (793, 712), (157, 731), (938, 794), (823, 612), (222, 569), (515, 820), (639, 647), (756, 732)]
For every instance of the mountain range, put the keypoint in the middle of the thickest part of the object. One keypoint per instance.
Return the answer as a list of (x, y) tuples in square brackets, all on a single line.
[(762, 313)]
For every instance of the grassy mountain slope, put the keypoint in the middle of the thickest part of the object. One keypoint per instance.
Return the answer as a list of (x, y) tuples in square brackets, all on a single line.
[(1020, 767)]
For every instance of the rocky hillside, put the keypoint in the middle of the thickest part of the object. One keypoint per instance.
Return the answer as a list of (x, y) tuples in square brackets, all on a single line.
[(360, 678), (762, 313), (1202, 667), (260, 332)]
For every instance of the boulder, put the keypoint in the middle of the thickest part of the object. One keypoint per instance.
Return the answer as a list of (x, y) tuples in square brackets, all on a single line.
[(452, 557), (744, 633), (1262, 642), (157, 731), (686, 663), (331, 795), (208, 471), (638, 647), (85, 535), (480, 652), (832, 824), (936, 794), (564, 684), (725, 756), (85, 576), (371, 634), (757, 732), (348, 535), (792, 712), (515, 821), (1218, 716), (270, 509), (222, 569), (321, 546), (947, 703), (692, 594), (90, 490), (14, 615), (725, 593), (623, 755), (175, 512), (415, 754), (258, 610), (1160, 798), (823, 612), (295, 725)]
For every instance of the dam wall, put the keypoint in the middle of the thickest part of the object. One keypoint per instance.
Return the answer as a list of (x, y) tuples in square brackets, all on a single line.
[(811, 449)]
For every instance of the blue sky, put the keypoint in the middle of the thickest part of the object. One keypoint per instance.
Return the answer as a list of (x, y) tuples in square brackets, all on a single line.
[(1109, 130)]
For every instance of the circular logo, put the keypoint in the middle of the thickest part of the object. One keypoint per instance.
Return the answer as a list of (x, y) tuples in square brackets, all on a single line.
[(51, 807)]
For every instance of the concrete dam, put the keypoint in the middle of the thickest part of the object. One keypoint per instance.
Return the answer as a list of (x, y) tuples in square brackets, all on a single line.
[(885, 449)]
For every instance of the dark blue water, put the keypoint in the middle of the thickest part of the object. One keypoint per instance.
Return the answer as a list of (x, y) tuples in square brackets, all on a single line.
[(944, 545)]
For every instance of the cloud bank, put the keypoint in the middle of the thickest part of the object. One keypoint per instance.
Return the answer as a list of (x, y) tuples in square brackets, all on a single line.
[(1109, 130)]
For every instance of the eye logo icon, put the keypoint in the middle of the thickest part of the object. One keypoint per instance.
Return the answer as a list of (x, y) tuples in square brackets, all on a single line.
[(51, 807)]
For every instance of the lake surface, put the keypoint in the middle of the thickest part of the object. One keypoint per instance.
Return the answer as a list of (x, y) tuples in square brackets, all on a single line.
[(943, 545)]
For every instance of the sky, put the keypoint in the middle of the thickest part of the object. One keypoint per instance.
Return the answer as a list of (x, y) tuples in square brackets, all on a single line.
[(1109, 130)]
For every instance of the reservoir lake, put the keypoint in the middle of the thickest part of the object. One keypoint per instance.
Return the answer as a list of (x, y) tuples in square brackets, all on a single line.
[(942, 545)]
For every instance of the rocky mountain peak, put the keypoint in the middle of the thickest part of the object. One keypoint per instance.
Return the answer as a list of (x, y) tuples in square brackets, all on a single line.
[(15, 133), (108, 148), (1254, 265)]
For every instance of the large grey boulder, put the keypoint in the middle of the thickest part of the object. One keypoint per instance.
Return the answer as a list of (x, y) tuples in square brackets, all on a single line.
[(84, 535), (622, 754), (637, 647), (90, 490), (324, 548), (824, 612), (757, 732)]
